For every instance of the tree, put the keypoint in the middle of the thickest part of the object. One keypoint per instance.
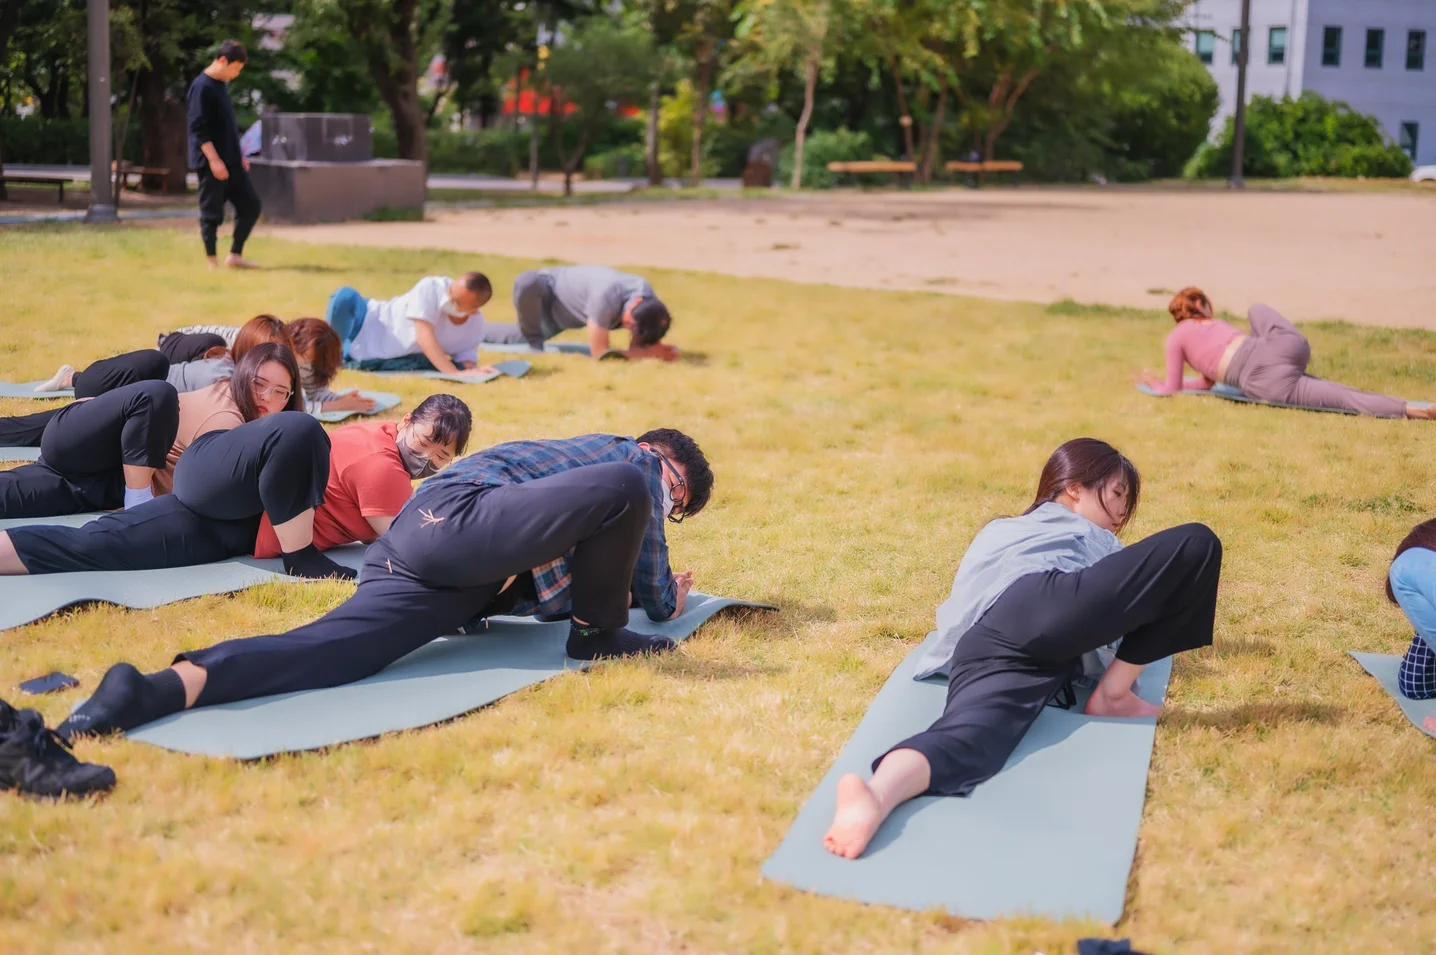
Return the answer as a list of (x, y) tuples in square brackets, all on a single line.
[(9, 20), (602, 63), (704, 33)]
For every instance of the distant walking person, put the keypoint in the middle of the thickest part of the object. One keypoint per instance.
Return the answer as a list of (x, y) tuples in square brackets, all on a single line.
[(215, 154)]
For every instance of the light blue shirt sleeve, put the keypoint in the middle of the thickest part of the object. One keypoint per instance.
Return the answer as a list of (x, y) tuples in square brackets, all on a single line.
[(1413, 581)]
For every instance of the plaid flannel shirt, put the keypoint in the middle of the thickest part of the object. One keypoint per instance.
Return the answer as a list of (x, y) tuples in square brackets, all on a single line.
[(520, 461)]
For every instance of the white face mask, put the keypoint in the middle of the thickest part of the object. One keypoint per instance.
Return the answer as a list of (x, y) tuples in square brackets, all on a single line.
[(667, 497)]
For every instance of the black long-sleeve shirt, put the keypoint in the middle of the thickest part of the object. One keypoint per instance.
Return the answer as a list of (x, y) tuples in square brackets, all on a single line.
[(211, 120)]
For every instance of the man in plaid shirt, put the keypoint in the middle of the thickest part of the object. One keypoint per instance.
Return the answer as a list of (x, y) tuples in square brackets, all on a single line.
[(569, 527)]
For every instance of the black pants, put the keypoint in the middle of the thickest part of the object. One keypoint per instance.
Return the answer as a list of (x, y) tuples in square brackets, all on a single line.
[(84, 447), (442, 563), (107, 374), (181, 347), (1159, 596), (25, 431), (276, 465), (239, 192)]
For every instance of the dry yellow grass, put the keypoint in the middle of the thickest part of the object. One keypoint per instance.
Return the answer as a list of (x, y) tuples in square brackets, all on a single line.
[(859, 439)]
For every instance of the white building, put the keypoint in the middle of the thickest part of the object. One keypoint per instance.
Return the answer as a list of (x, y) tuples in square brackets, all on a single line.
[(1372, 54)]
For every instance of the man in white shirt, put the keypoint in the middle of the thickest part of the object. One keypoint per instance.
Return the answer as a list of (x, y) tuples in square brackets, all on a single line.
[(435, 325)]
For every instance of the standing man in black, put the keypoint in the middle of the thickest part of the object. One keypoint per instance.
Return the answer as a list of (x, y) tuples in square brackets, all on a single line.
[(214, 153)]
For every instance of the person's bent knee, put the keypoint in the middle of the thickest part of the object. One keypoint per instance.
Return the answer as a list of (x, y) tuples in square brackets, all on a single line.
[(298, 428), (160, 396), (151, 364), (1201, 536), (630, 482)]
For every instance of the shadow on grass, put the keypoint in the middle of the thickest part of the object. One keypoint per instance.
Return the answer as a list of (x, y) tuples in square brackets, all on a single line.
[(305, 267), (681, 665), (1252, 715)]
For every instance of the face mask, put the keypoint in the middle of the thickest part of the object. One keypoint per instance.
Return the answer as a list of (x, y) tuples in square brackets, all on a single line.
[(667, 499), (418, 465)]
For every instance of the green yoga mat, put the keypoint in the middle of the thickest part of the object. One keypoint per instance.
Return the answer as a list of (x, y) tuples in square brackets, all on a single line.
[(26, 389), (553, 348), (1231, 393), (510, 369), (439, 681), (1052, 835), (383, 401), (19, 454), (1384, 668)]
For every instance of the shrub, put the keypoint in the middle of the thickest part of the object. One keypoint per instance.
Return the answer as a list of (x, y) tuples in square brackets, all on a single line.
[(1387, 161), (58, 142), (822, 147), (615, 163)]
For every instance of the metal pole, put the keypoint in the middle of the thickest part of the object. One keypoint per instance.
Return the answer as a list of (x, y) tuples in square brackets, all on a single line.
[(102, 207), (1239, 124)]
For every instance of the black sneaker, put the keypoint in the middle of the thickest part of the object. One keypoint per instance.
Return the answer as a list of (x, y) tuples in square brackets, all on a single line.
[(37, 762), (591, 643)]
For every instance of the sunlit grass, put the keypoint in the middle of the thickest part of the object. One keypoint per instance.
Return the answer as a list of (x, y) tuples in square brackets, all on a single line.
[(859, 440)]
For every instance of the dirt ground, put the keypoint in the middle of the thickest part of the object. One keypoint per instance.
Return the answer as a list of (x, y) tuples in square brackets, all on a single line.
[(1367, 258)]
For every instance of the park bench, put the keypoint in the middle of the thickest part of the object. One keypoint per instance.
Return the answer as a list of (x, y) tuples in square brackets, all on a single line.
[(893, 168), (38, 180), (128, 169), (980, 169)]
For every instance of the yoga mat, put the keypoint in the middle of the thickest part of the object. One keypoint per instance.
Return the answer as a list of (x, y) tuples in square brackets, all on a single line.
[(1231, 393), (1385, 668), (439, 681), (1052, 835), (19, 454), (513, 369), (383, 401), (553, 348), (27, 599), (26, 389)]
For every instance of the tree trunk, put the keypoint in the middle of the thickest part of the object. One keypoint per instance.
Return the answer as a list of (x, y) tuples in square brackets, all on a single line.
[(164, 127), (650, 143), (934, 131), (392, 56), (810, 85), (708, 58), (534, 132), (9, 19), (905, 114)]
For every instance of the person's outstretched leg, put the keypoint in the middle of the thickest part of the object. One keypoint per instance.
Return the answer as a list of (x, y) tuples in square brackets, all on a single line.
[(242, 195), (1320, 393), (181, 347), (25, 431), (107, 374), (503, 333)]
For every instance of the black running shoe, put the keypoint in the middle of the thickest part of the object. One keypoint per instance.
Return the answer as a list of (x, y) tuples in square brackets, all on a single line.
[(34, 760), (592, 643)]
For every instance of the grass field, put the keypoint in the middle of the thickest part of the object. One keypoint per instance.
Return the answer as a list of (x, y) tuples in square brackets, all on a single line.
[(859, 440)]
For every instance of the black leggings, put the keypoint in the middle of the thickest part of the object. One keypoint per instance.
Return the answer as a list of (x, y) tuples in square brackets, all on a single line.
[(239, 192), (180, 347), (442, 564), (107, 374), (84, 447), (1159, 596)]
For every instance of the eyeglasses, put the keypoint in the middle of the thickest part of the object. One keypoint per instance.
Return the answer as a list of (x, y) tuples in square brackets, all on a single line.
[(263, 389), (681, 488)]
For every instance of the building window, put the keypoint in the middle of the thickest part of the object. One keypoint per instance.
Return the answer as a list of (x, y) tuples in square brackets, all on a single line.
[(1206, 45), (1276, 46), (1236, 44), (1416, 50), (1331, 46), (1408, 138), (1375, 48)]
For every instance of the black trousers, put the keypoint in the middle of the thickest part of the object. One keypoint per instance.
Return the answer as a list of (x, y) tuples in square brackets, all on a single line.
[(238, 191), (443, 563), (25, 431), (107, 374), (84, 447), (181, 347), (1159, 596)]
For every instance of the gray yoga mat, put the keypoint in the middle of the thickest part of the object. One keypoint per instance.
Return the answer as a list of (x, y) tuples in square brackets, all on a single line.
[(1231, 393), (1384, 668), (19, 454), (383, 401), (27, 599), (512, 369), (1052, 835), (26, 389), (439, 681), (552, 348)]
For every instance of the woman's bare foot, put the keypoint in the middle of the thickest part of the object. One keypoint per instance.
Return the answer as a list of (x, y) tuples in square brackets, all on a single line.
[(239, 262), (1127, 705), (1422, 411), (64, 378), (1430, 724), (857, 819)]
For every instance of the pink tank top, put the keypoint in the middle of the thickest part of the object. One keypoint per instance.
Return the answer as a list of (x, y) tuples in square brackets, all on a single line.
[(1199, 344)]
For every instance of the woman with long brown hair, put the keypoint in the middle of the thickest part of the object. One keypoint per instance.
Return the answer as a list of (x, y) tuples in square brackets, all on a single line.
[(1039, 600), (1411, 585), (1268, 364)]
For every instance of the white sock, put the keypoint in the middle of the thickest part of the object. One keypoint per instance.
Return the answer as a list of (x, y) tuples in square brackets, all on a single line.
[(135, 496)]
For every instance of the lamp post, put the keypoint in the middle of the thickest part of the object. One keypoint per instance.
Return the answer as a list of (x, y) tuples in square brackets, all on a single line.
[(102, 206), (1239, 124)]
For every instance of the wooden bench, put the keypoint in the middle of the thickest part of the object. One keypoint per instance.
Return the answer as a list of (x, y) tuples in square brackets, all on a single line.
[(128, 169), (893, 168), (57, 181), (982, 168)]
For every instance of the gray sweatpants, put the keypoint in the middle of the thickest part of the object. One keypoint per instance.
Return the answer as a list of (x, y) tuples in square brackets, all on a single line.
[(1272, 367), (532, 301)]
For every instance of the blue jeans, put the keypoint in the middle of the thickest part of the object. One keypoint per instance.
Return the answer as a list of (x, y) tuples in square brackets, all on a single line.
[(1413, 581), (346, 315)]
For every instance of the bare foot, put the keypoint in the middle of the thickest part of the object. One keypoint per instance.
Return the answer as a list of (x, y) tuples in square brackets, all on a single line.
[(1426, 412), (64, 378), (857, 819), (1430, 724), (239, 262), (1129, 705), (213, 262)]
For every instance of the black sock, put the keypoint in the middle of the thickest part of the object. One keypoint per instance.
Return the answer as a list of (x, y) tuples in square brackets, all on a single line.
[(598, 643), (308, 562), (126, 698)]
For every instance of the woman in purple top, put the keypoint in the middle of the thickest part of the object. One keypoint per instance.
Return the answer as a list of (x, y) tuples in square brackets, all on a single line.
[(1268, 364)]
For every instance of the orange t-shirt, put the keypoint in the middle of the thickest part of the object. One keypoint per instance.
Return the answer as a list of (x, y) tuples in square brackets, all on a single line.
[(212, 408), (366, 479)]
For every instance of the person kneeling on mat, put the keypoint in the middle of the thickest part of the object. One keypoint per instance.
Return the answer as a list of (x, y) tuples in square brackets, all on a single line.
[(261, 489), (1038, 601), (595, 297), (549, 528), (1411, 585), (435, 326)]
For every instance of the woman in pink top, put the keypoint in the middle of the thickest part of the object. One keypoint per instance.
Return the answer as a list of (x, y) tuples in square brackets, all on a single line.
[(1269, 364)]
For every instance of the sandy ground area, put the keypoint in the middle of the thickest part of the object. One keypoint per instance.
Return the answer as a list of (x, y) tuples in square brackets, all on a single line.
[(1367, 258)]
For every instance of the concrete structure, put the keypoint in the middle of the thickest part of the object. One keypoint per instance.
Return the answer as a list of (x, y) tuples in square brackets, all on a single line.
[(1373, 54)]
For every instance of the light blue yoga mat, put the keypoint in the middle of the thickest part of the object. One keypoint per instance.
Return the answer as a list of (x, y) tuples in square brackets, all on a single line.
[(26, 389), (439, 681), (19, 454), (1052, 835), (553, 348), (383, 401), (1384, 668), (1231, 393), (511, 369)]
